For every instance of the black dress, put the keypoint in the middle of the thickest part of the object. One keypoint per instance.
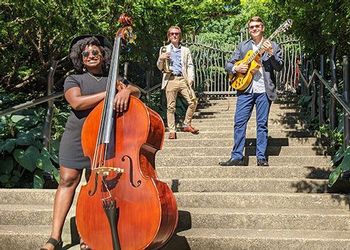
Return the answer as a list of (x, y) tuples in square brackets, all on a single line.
[(71, 152)]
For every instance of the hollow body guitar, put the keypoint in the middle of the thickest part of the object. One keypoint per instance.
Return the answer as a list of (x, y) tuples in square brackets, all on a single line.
[(240, 81)]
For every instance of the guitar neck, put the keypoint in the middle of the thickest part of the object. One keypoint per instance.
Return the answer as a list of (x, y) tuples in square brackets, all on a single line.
[(256, 52)]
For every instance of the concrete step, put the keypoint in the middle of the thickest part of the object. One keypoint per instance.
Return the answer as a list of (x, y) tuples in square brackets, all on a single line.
[(229, 115), (289, 122), (248, 151), (261, 218), (182, 172), (272, 239), (28, 214), (230, 105), (207, 127), (216, 112), (274, 111), (265, 185), (275, 133), (31, 237), (262, 200), (228, 142), (302, 161), (27, 196)]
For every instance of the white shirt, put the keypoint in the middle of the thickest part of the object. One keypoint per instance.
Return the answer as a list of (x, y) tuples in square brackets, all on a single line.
[(258, 84)]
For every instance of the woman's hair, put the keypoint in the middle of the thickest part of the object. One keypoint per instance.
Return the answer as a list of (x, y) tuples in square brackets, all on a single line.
[(79, 46)]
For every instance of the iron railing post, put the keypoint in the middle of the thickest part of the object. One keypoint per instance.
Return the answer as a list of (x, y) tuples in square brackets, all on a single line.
[(49, 112), (332, 108), (313, 92), (148, 83), (347, 100), (321, 98)]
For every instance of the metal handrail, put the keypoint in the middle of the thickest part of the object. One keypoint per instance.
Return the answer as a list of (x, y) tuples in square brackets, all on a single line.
[(333, 92), (38, 101), (29, 104), (335, 98)]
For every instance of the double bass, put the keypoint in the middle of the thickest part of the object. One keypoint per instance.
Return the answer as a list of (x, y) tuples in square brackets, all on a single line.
[(124, 205)]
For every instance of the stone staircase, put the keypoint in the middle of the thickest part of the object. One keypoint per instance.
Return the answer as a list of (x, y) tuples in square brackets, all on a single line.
[(284, 206)]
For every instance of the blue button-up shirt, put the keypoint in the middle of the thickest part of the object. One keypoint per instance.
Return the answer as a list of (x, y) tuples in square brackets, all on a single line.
[(175, 60)]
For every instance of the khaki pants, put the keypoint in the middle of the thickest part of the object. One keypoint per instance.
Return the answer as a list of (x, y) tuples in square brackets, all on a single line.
[(175, 85)]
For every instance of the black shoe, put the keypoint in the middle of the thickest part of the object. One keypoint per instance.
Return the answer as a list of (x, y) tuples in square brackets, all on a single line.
[(262, 163), (232, 162)]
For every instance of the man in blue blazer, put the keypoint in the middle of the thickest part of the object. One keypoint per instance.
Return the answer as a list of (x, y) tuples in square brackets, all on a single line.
[(261, 92)]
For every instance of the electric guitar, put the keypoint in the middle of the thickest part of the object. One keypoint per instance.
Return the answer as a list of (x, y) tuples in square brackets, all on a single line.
[(241, 81)]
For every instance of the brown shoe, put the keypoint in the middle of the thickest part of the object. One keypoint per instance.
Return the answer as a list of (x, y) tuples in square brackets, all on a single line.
[(191, 129), (172, 135)]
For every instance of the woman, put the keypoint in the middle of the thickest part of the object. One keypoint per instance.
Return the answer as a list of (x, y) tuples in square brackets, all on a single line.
[(90, 56)]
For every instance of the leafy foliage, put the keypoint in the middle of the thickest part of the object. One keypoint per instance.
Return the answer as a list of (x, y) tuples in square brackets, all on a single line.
[(342, 171), (320, 24), (23, 159)]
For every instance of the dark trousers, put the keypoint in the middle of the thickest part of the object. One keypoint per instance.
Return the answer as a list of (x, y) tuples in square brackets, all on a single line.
[(244, 108)]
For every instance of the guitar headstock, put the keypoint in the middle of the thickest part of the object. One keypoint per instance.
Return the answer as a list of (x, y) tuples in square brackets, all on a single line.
[(285, 26)]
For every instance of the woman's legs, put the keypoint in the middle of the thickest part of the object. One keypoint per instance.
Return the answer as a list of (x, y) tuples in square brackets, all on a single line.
[(69, 181)]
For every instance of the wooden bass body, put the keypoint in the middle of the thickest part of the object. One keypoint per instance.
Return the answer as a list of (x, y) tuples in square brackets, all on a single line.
[(147, 211)]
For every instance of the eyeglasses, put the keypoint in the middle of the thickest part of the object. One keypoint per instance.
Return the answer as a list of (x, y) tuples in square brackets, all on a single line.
[(174, 33), (255, 26), (94, 52)]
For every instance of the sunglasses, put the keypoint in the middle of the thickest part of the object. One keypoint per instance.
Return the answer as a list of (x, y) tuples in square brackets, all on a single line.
[(174, 33), (255, 26), (94, 52)]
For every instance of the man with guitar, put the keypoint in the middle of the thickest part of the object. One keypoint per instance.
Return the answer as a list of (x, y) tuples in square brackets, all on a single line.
[(266, 58)]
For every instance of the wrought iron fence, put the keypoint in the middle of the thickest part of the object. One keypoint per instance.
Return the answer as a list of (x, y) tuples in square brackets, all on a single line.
[(210, 57)]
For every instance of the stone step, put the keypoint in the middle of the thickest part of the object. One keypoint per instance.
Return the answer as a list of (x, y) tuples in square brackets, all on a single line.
[(248, 151), (274, 111), (262, 200), (231, 105), (230, 116), (182, 172), (224, 106), (279, 133), (231, 110), (260, 218), (302, 161), (272, 239), (28, 214), (27, 196), (290, 122), (228, 126), (198, 199), (265, 185), (31, 237), (228, 142)]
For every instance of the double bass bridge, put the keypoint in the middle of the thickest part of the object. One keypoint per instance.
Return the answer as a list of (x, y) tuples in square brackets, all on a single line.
[(105, 171)]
